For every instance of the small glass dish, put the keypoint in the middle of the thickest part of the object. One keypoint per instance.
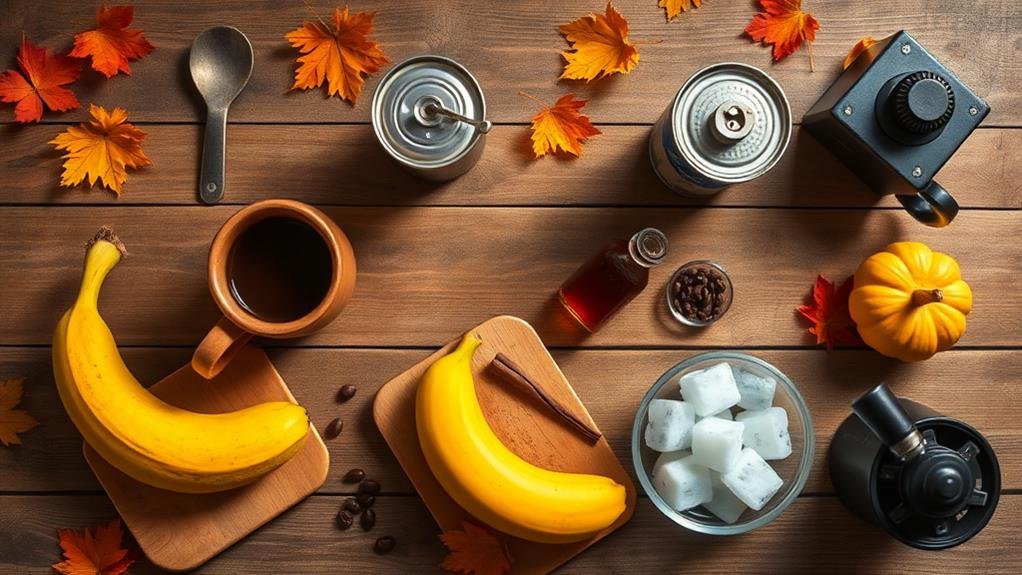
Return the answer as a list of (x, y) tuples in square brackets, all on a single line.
[(697, 265), (794, 470)]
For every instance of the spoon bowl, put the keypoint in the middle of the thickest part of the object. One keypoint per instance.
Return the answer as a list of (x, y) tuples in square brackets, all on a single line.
[(221, 63)]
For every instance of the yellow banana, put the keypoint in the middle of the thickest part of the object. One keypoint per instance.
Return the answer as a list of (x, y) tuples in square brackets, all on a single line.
[(146, 438), (487, 479)]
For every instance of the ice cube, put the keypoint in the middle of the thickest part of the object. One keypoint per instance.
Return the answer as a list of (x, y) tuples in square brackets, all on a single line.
[(756, 392), (752, 479), (716, 443), (723, 414), (710, 390), (724, 504), (680, 482), (766, 431), (670, 425)]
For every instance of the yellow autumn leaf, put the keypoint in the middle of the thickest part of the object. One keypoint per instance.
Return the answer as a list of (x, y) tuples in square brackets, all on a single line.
[(601, 46), (561, 128), (101, 149), (673, 8)]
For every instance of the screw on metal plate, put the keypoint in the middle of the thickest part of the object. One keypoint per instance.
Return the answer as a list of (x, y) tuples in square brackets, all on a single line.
[(906, 49), (917, 171), (973, 110), (432, 108), (848, 110)]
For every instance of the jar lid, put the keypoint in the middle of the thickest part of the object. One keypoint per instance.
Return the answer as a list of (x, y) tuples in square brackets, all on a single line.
[(403, 117)]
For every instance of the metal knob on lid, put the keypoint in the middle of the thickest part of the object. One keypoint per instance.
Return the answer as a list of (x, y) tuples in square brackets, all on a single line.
[(430, 116)]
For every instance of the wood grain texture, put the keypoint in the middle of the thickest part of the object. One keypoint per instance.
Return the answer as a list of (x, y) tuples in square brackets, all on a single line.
[(815, 535), (516, 47), (978, 387), (531, 432), (180, 531), (426, 274), (345, 165)]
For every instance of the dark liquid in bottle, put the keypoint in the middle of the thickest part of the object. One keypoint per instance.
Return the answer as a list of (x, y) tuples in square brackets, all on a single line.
[(279, 269), (603, 285)]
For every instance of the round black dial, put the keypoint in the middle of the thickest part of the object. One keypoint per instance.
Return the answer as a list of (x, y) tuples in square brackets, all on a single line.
[(923, 102)]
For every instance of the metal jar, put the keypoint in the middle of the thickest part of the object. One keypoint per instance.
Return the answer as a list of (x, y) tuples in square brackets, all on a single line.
[(429, 115), (730, 123)]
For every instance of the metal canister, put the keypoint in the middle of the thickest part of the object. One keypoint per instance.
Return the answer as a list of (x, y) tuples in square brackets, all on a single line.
[(730, 123), (429, 114)]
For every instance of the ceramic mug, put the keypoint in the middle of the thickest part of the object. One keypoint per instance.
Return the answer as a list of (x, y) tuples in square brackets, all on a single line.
[(238, 324)]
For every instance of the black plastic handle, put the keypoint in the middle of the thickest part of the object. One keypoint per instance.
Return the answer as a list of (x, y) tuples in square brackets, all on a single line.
[(932, 205), (881, 411)]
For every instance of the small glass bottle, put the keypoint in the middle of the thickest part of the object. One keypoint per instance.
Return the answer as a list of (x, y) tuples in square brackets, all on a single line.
[(612, 278)]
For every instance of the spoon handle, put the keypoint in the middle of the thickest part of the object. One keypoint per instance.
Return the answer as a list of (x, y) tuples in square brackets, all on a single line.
[(211, 178)]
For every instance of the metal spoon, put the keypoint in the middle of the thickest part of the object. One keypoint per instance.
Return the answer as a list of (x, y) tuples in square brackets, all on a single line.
[(221, 63)]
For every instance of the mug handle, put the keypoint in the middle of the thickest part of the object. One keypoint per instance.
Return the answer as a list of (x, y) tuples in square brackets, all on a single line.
[(218, 348)]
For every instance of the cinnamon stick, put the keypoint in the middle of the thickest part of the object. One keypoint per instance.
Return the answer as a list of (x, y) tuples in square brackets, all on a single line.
[(511, 372)]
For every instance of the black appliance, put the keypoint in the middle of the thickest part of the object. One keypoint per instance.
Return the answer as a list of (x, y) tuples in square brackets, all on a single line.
[(894, 117)]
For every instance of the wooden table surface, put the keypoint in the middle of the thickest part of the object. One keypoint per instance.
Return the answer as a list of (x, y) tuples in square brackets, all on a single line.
[(436, 259)]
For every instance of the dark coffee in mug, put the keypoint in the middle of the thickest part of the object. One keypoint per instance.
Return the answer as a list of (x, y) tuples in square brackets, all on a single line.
[(279, 269)]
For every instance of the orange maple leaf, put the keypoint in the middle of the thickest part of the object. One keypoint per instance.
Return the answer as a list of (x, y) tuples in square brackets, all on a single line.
[(832, 323), (475, 551), (101, 149), (561, 127), (784, 24), (111, 43), (13, 421), (42, 82), (673, 8), (600, 46), (96, 551), (861, 46), (341, 55)]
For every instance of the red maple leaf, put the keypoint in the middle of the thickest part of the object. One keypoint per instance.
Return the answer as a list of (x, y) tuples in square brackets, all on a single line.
[(111, 43), (41, 80), (832, 324), (95, 551)]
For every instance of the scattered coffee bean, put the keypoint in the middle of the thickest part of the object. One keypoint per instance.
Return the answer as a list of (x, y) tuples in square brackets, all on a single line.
[(354, 476), (345, 393), (344, 520), (384, 545), (351, 505), (370, 486), (365, 500), (367, 519), (334, 428)]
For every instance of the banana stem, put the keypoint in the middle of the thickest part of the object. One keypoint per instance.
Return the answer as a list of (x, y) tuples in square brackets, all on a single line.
[(102, 253), (921, 297)]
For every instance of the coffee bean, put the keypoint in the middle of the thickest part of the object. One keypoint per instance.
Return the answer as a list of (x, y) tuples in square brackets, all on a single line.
[(365, 500), (343, 520), (351, 505), (334, 428), (354, 476), (384, 545), (370, 486), (367, 520), (345, 393)]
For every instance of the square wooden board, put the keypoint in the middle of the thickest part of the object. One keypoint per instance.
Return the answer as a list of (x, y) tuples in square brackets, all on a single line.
[(180, 531), (529, 429)]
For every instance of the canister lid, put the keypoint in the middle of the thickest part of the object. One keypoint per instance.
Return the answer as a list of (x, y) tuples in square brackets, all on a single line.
[(401, 111), (731, 121)]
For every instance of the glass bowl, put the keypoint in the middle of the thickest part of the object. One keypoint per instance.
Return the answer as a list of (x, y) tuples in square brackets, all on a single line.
[(794, 470), (677, 314)]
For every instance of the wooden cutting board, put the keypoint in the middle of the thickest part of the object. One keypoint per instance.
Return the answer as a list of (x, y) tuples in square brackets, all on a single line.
[(526, 426), (180, 531)]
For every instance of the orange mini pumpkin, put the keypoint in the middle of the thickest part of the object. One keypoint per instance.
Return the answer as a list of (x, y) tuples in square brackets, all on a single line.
[(910, 302)]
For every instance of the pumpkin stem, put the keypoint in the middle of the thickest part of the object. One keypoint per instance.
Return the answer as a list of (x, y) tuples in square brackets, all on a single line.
[(921, 297)]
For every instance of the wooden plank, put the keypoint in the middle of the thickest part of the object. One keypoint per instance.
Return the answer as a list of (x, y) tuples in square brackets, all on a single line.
[(425, 274), (517, 48), (978, 387), (812, 532), (345, 165)]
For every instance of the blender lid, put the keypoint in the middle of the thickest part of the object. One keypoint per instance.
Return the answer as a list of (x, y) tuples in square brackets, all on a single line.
[(945, 495)]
